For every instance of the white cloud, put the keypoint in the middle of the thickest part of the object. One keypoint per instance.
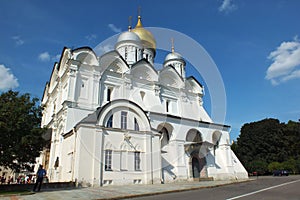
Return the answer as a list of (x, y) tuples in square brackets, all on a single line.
[(18, 40), (104, 49), (295, 74), (91, 37), (227, 6), (44, 57), (285, 62), (7, 79), (114, 28)]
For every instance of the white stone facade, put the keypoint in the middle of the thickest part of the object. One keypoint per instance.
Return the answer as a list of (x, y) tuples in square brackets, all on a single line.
[(115, 119)]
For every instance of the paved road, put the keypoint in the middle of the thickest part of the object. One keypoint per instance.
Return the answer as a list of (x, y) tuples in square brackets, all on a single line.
[(116, 191), (267, 188), (262, 188)]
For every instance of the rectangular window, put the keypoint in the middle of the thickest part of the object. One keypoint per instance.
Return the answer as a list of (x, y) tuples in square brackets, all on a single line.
[(167, 106), (137, 161), (126, 53), (108, 158), (108, 95), (136, 125), (54, 106), (136, 55), (123, 120)]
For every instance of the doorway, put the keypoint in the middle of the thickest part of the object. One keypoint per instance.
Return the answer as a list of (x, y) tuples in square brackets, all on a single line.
[(195, 167)]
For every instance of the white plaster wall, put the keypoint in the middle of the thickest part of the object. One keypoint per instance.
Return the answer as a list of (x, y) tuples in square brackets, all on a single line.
[(67, 158), (73, 116), (140, 142), (89, 158), (219, 164)]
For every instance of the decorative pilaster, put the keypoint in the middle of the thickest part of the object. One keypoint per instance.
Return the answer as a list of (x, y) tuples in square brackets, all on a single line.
[(72, 74), (95, 94)]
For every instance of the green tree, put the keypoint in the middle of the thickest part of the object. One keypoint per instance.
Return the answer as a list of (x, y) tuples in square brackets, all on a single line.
[(259, 141), (274, 166), (298, 166), (290, 165), (259, 166), (21, 138), (269, 141), (292, 139)]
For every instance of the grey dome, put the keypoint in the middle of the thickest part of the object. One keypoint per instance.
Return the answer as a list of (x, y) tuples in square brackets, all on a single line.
[(128, 36), (173, 56)]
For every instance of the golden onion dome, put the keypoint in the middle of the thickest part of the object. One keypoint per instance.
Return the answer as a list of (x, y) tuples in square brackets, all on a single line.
[(146, 36)]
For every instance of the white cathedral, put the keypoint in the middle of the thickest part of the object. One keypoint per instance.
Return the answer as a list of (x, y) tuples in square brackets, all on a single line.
[(115, 119)]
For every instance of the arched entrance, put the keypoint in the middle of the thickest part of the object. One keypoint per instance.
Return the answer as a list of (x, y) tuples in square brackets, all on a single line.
[(196, 151)]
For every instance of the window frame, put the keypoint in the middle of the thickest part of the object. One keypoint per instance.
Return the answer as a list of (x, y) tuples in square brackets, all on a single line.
[(110, 122), (108, 94), (168, 102), (137, 161), (108, 160), (136, 125), (124, 119)]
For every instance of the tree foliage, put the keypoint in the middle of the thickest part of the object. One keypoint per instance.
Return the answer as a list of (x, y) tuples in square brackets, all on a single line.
[(21, 138), (274, 166), (269, 144)]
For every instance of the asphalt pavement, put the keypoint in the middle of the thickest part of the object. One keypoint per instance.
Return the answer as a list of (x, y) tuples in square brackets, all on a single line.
[(119, 192), (266, 188)]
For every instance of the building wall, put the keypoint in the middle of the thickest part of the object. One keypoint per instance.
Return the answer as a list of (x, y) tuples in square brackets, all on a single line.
[(88, 156)]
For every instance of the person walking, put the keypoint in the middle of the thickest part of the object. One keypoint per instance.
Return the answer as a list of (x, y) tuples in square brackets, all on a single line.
[(40, 175)]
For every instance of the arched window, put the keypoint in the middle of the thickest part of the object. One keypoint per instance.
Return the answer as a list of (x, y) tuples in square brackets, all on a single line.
[(109, 123), (136, 125)]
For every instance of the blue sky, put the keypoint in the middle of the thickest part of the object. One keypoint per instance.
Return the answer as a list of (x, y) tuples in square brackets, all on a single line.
[(255, 45)]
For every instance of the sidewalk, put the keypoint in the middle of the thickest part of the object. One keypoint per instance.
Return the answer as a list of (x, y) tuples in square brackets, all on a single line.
[(119, 192)]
